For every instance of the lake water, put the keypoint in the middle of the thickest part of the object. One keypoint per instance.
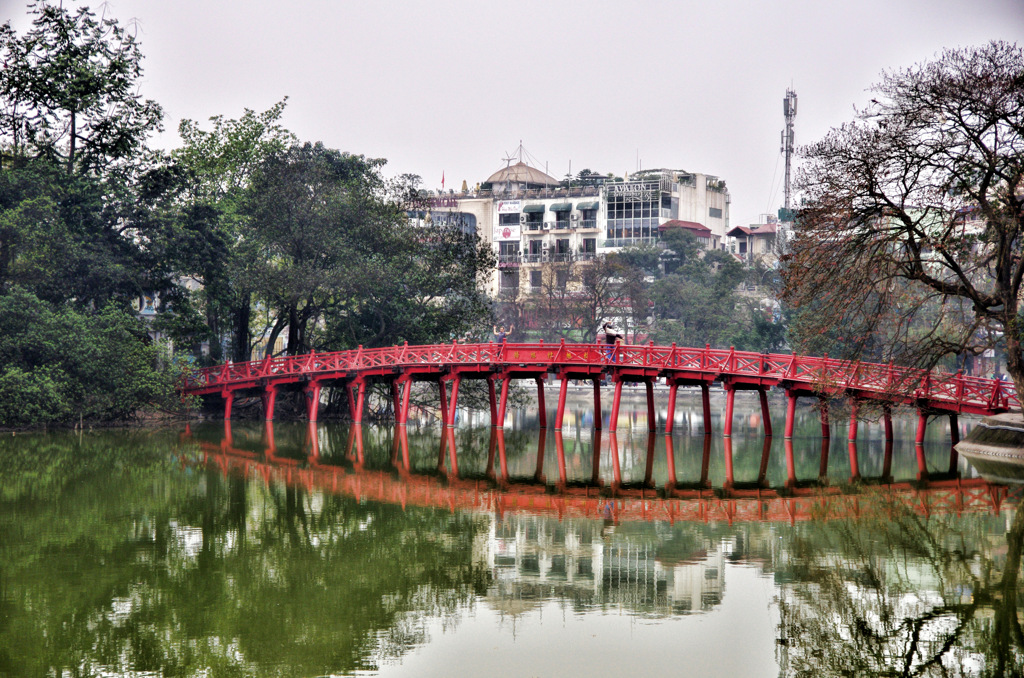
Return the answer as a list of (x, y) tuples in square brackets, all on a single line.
[(294, 550)]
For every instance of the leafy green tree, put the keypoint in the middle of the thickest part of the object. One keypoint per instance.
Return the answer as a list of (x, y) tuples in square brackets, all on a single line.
[(61, 364), (70, 90), (213, 173)]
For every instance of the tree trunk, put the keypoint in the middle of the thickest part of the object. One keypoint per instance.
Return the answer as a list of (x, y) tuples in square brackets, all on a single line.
[(240, 343)]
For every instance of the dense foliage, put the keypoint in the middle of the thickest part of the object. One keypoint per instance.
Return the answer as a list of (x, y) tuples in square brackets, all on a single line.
[(241, 236)]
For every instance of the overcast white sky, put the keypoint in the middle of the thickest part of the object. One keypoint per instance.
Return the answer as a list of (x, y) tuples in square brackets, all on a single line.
[(453, 86)]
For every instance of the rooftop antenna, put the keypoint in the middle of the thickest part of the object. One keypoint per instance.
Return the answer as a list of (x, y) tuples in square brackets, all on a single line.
[(789, 111)]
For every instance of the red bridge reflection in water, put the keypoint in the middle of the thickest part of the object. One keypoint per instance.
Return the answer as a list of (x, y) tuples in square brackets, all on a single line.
[(497, 493)]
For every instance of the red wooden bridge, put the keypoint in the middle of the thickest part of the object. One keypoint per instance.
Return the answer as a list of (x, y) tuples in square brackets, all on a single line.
[(448, 364)]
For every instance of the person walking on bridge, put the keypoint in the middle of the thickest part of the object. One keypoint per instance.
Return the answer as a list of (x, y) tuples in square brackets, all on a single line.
[(611, 339)]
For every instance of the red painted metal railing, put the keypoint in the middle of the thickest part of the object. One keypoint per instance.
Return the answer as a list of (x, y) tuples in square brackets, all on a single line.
[(942, 391)]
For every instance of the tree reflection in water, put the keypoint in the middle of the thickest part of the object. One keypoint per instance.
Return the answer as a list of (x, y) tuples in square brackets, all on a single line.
[(136, 554), (893, 593)]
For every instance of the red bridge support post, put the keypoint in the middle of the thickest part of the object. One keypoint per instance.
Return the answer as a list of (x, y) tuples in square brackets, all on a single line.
[(705, 461), (670, 417), (790, 413), (762, 472), (538, 473), (649, 466), (613, 450), (595, 465), (597, 404), (229, 400), (705, 398), (312, 395), (922, 464), (727, 453), (403, 414), (542, 409), (454, 402), (502, 459), (887, 420), (613, 421), (670, 460), (854, 465), (652, 417), (852, 435), (492, 400), (766, 415), (887, 461), (823, 408), (787, 445), (560, 453), (823, 464), (922, 424), (357, 402), (503, 402), (954, 438), (563, 389), (268, 397), (730, 399)]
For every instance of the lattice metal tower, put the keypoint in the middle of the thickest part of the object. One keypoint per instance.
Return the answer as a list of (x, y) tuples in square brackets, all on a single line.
[(789, 110)]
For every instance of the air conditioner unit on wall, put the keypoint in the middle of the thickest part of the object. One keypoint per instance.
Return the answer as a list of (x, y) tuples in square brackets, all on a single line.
[(522, 218), (547, 225), (575, 217)]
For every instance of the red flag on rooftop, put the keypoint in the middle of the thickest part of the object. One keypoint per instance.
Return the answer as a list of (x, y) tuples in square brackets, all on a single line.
[(442, 178)]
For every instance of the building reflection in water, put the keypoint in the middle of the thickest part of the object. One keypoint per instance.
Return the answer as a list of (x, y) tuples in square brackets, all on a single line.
[(593, 565)]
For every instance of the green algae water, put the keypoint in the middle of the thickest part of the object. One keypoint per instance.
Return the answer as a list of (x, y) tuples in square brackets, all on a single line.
[(328, 550)]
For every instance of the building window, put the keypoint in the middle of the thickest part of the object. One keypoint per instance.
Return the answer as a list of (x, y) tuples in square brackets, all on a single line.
[(562, 249), (509, 280), (509, 219), (715, 212), (634, 209), (589, 248), (508, 252), (561, 279), (536, 279)]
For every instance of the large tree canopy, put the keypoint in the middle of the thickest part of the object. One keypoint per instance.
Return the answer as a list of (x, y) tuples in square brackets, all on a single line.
[(909, 245)]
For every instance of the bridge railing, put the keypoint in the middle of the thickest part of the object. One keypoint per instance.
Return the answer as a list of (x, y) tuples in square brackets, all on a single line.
[(825, 374)]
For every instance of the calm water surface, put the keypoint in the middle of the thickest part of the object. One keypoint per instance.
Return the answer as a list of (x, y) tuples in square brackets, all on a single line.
[(332, 550)]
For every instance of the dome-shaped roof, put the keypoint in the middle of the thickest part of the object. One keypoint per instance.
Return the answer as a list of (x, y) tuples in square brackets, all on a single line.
[(521, 173)]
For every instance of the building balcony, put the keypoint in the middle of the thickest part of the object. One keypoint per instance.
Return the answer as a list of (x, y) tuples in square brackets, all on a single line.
[(587, 225), (509, 260)]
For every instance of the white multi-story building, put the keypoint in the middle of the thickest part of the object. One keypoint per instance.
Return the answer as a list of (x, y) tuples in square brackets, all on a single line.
[(531, 219)]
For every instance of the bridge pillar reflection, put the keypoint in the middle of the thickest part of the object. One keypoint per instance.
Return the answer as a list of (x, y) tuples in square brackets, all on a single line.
[(649, 466), (595, 465), (229, 399)]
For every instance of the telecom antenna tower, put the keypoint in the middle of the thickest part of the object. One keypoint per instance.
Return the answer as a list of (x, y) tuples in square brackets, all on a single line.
[(789, 110)]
